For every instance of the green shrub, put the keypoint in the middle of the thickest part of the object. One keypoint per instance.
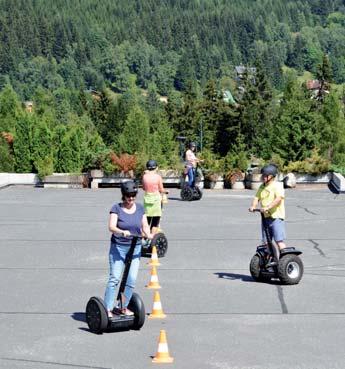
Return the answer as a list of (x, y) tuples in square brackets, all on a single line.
[(314, 165), (44, 166)]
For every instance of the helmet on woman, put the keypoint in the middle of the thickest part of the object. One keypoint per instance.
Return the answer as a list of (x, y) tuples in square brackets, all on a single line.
[(269, 170), (129, 187), (151, 165), (192, 144)]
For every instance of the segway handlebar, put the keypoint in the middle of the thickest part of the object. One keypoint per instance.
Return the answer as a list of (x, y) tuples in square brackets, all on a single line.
[(258, 211)]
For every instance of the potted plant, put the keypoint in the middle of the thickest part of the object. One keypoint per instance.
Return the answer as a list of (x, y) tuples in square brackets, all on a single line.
[(236, 164), (235, 179), (213, 170)]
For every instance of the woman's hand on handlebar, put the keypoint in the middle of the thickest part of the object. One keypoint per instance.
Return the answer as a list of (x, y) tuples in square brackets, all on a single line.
[(126, 233)]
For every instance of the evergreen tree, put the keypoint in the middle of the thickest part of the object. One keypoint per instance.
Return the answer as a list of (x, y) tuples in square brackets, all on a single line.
[(256, 113), (22, 144), (72, 150), (135, 136), (6, 156), (295, 128), (42, 144)]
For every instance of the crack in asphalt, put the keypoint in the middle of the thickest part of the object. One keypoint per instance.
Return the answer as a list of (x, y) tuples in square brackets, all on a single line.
[(317, 248), (282, 300), (53, 363), (307, 210)]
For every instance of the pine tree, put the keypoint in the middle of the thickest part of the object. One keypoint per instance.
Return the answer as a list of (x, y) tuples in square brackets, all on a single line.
[(22, 144), (136, 133), (295, 127)]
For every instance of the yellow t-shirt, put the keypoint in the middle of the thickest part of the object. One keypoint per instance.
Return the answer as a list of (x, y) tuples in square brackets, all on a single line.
[(266, 194)]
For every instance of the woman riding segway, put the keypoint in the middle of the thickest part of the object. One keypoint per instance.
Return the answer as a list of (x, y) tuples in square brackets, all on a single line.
[(154, 191), (190, 191), (127, 222)]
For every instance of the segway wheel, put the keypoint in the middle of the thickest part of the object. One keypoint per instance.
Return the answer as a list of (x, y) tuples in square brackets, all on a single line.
[(290, 269), (160, 241), (197, 193), (137, 306), (255, 270), (96, 315), (187, 193)]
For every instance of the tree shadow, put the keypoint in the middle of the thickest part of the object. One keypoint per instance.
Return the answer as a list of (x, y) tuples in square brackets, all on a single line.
[(234, 276)]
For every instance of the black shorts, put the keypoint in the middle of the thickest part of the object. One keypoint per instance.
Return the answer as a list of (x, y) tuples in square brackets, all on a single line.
[(153, 221)]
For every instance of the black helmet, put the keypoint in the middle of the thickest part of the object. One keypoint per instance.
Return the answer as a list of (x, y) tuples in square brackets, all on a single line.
[(269, 170), (129, 187), (192, 144), (151, 165)]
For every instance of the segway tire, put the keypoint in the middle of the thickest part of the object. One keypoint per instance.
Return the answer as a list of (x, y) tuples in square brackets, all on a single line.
[(96, 315), (255, 270), (187, 193), (160, 241), (290, 269), (137, 306), (197, 193)]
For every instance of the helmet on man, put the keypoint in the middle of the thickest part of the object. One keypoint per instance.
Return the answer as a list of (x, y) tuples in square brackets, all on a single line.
[(129, 187), (269, 170), (151, 165)]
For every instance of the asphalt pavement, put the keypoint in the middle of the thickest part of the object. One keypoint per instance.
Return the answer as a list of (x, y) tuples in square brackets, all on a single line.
[(54, 246)]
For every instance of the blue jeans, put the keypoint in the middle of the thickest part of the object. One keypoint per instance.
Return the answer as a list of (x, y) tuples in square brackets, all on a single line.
[(191, 176), (117, 256)]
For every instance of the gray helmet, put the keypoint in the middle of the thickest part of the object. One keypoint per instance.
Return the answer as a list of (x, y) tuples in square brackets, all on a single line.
[(269, 170), (192, 144), (151, 165), (129, 187)]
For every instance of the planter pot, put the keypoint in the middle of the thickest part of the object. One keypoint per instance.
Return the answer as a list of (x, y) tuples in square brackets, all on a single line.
[(238, 185), (308, 178), (216, 184), (254, 181), (96, 173)]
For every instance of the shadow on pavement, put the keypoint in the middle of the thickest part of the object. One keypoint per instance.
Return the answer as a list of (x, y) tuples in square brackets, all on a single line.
[(80, 317), (234, 276), (175, 198)]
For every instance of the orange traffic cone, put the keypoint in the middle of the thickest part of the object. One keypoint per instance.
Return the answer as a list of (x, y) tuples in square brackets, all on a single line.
[(162, 355), (154, 279), (154, 257), (157, 311)]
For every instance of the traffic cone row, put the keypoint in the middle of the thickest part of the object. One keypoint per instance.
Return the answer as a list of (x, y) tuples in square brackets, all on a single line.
[(154, 257), (162, 355)]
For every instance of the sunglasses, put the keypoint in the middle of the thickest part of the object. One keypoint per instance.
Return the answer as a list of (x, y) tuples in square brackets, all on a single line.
[(133, 194)]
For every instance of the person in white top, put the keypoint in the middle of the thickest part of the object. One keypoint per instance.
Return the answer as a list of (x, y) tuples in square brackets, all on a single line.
[(191, 163)]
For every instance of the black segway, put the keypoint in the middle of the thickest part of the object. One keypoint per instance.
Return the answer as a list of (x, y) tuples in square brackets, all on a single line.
[(96, 313), (194, 192), (159, 240), (290, 266)]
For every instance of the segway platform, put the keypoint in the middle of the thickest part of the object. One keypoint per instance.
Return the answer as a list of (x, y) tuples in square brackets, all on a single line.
[(96, 314)]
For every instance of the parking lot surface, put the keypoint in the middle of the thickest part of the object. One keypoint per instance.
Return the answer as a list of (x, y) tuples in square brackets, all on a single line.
[(54, 247)]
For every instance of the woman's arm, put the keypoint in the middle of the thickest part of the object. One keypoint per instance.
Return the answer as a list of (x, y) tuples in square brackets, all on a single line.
[(161, 187), (146, 228), (113, 226)]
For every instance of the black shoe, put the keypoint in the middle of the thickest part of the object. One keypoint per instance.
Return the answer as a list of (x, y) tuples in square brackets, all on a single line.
[(271, 264)]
